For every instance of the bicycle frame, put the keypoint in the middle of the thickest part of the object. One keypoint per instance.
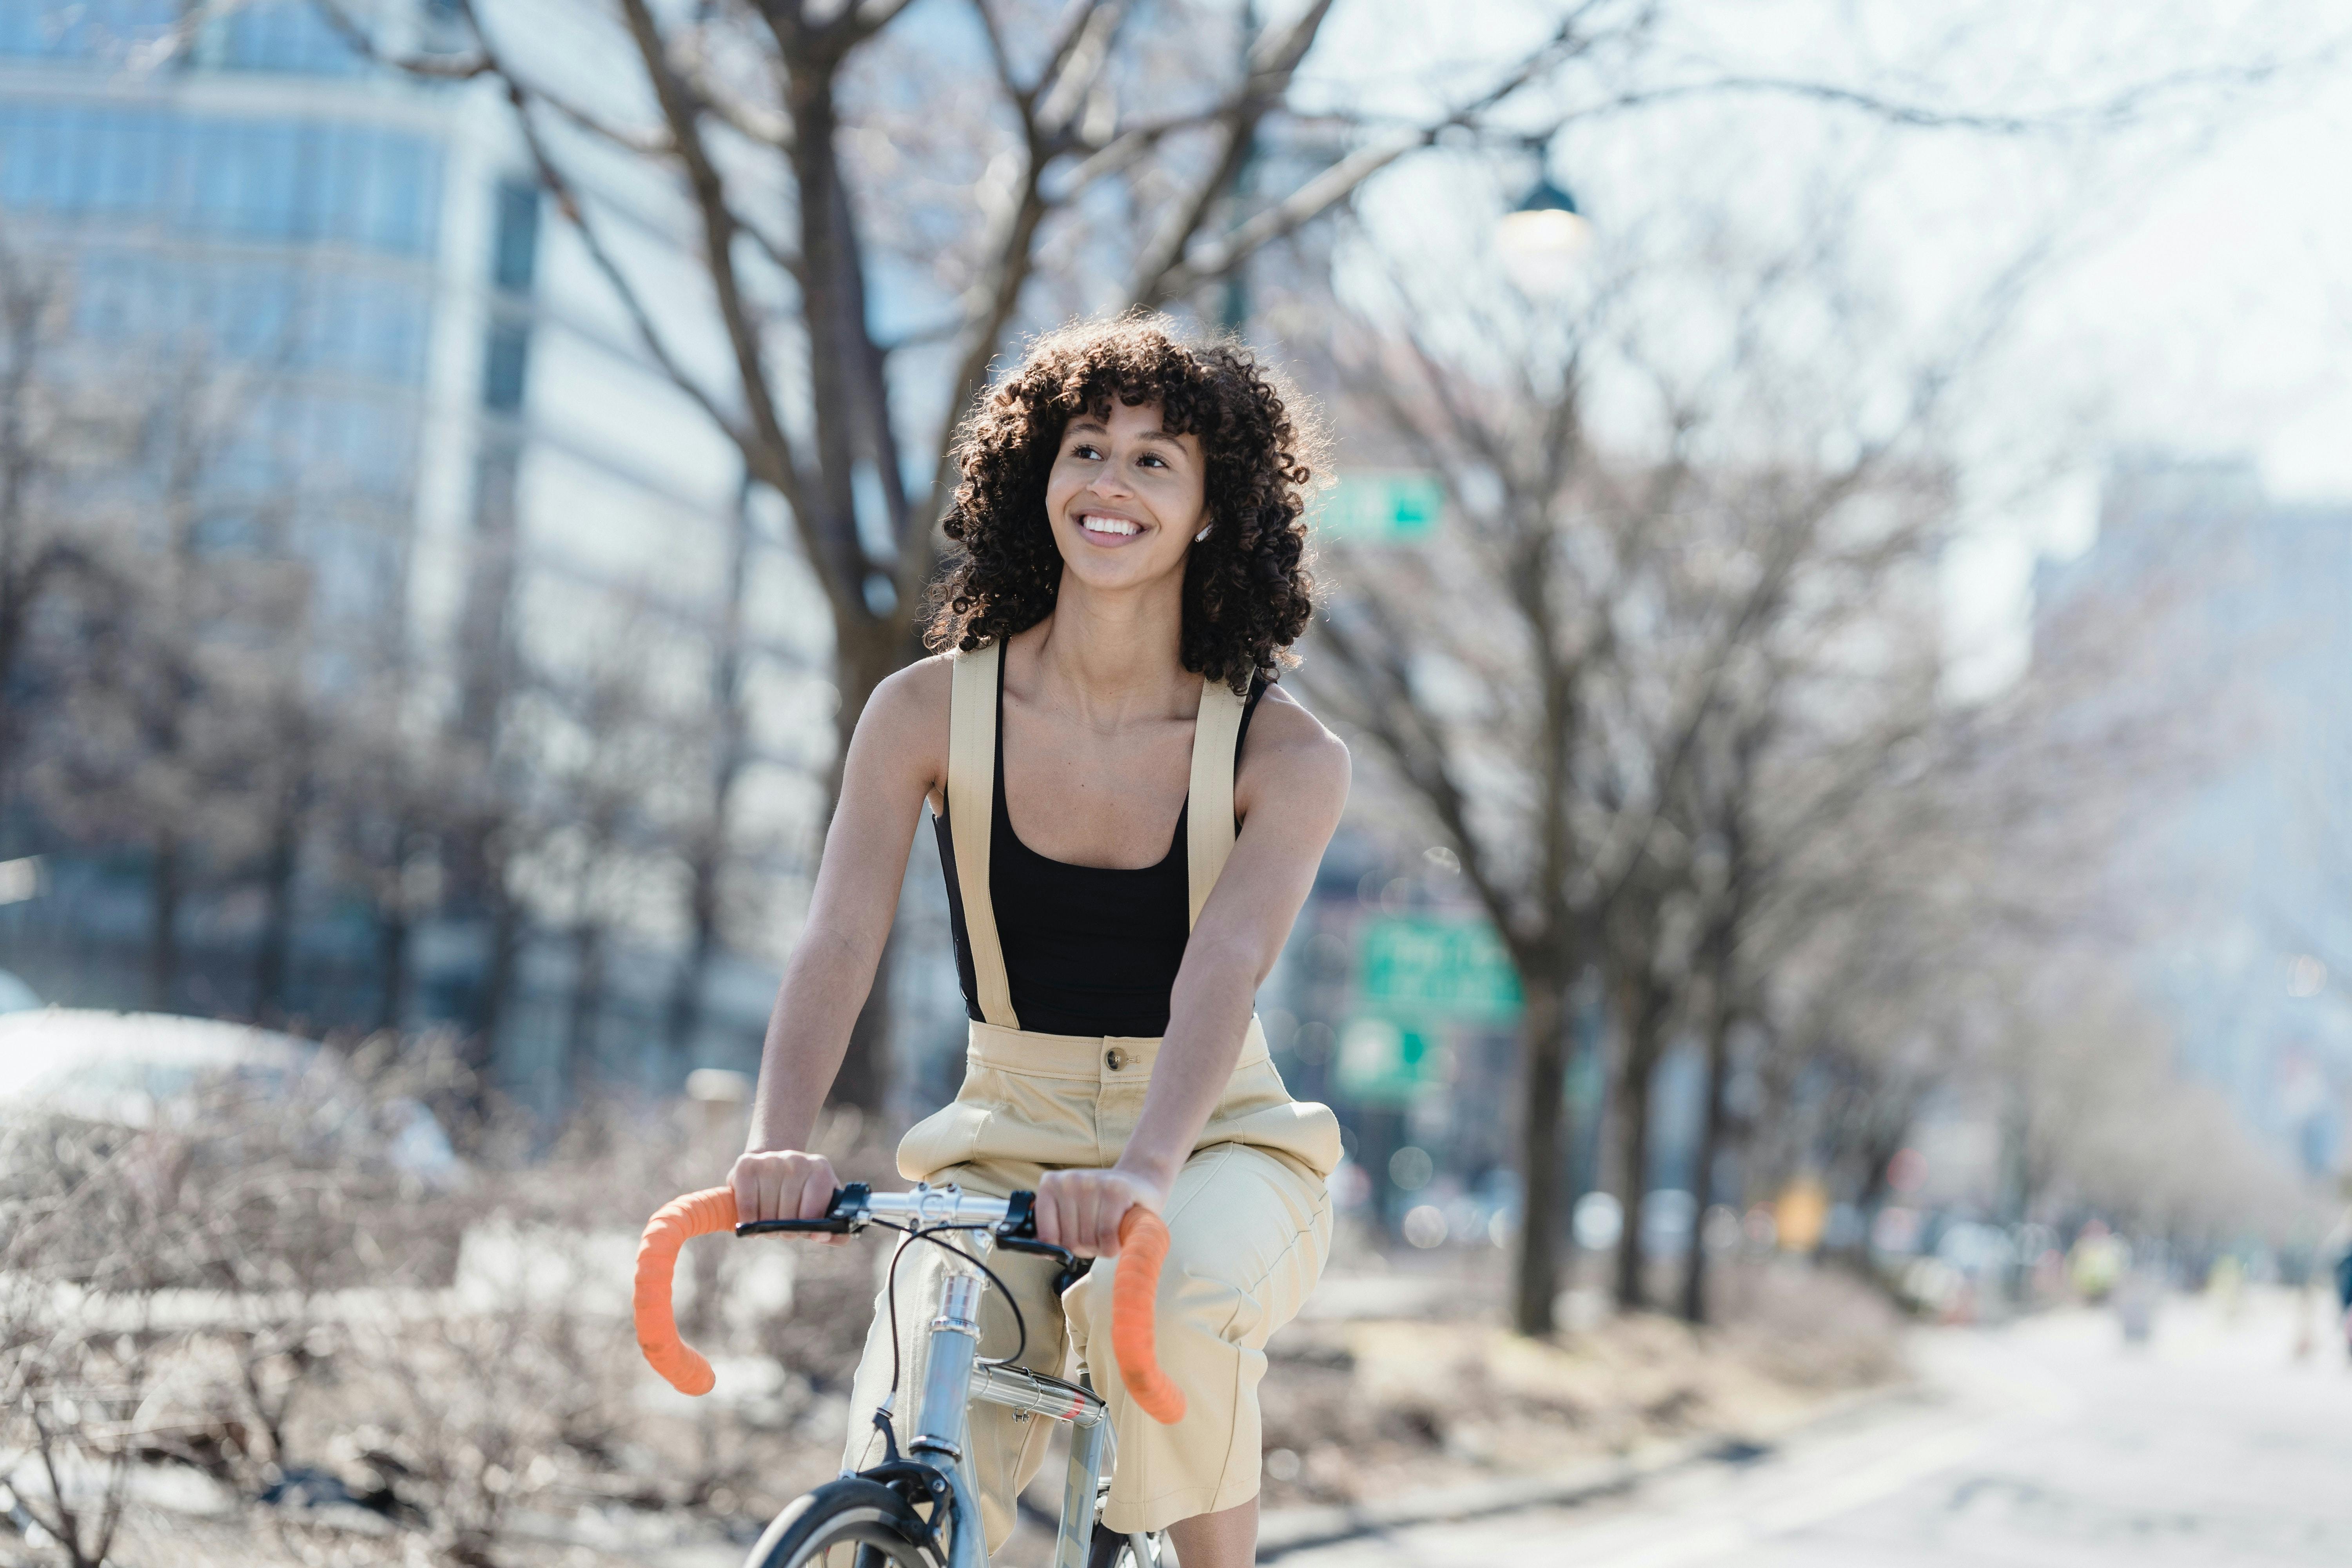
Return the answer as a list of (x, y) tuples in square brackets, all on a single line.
[(954, 1379)]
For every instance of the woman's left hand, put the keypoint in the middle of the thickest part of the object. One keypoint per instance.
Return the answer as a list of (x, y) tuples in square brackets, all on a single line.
[(1081, 1209)]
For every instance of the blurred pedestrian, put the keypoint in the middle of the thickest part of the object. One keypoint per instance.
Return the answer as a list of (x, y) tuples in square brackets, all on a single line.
[(2339, 1249), (2135, 1299), (2225, 1287), (2097, 1262)]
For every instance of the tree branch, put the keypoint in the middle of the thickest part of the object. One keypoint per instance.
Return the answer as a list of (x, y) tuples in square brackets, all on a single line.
[(1166, 272), (1272, 64), (459, 68), (770, 454), (568, 203)]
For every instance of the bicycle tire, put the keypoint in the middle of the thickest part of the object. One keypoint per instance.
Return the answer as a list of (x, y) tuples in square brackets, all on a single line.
[(1110, 1549), (847, 1523)]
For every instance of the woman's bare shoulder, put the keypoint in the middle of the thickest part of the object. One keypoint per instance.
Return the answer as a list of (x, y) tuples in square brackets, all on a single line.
[(1288, 748), (921, 690), (907, 716)]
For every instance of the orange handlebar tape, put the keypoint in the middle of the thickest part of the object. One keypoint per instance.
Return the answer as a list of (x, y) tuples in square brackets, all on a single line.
[(695, 1213), (1142, 1248)]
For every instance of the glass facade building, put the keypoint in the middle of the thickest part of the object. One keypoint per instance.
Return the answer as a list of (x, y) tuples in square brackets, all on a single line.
[(247, 204), (300, 242), (438, 418)]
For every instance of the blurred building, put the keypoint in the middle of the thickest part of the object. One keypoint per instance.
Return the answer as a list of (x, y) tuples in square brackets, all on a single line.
[(2228, 617), (488, 486)]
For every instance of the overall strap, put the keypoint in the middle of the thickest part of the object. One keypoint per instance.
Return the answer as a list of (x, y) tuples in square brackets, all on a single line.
[(972, 820), (1209, 817)]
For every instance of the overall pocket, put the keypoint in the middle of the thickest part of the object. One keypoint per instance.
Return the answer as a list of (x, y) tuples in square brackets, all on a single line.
[(1257, 1111), (948, 1136)]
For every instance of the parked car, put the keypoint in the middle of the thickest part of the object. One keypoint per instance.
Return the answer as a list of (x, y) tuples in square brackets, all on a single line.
[(155, 1069), (15, 996)]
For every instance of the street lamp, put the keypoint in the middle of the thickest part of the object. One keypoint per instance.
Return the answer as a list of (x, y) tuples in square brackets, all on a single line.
[(1542, 239)]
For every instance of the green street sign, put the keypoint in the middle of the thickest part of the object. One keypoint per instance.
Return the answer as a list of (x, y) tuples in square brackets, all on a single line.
[(1426, 969), (1381, 509), (1382, 1063)]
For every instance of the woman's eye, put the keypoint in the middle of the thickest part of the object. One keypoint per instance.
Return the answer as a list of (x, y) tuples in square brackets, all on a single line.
[(1151, 458), (1083, 450)]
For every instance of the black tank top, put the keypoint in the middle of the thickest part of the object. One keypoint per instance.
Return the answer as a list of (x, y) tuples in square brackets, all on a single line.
[(1089, 950)]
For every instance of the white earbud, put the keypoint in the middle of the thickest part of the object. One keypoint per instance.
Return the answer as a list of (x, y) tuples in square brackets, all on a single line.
[(1199, 536)]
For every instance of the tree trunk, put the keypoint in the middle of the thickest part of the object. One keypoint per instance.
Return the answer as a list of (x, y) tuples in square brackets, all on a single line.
[(587, 1006), (1644, 1023), (1543, 1058), (272, 954), (498, 979), (683, 1018), (1634, 1140), (1710, 1149), (163, 924), (19, 577), (391, 965), (2015, 1195), (1587, 1130), (867, 656)]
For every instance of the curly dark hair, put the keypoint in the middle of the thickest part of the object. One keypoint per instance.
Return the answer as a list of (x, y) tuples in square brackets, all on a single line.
[(1248, 593)]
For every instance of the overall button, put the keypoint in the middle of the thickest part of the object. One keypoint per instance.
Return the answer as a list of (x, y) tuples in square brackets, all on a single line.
[(1114, 1059)]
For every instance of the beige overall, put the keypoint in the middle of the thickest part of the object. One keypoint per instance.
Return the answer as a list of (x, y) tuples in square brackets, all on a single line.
[(1249, 1218)]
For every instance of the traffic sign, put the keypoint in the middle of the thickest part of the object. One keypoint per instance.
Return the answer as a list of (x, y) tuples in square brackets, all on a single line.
[(1436, 968), (1382, 508), (1382, 1063)]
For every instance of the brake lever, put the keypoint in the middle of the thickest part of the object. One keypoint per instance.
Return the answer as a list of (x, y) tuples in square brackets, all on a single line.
[(1017, 1232), (843, 1215)]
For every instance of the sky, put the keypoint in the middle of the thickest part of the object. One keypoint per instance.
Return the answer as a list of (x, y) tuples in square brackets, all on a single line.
[(2215, 321), (2198, 294), (2223, 316)]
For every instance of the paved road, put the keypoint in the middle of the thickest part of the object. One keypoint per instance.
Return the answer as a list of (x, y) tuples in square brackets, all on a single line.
[(2047, 1445)]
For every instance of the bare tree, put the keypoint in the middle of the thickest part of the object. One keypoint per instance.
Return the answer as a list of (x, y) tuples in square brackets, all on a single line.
[(816, 151), (600, 807), (1806, 790), (179, 718), (386, 789), (56, 430), (1559, 686)]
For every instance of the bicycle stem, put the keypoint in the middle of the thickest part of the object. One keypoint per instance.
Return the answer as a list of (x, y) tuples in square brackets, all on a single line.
[(940, 1412), (942, 1416)]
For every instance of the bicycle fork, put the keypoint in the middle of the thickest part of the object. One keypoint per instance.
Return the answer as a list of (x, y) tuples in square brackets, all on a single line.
[(953, 1379)]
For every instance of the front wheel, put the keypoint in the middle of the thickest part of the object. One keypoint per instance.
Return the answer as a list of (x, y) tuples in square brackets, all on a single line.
[(845, 1524), (1111, 1550)]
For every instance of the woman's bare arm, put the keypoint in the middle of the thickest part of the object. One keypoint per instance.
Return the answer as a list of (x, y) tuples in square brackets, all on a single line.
[(1291, 789), (897, 757)]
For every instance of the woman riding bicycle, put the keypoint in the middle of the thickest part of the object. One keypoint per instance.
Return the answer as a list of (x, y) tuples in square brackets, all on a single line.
[(1129, 814)]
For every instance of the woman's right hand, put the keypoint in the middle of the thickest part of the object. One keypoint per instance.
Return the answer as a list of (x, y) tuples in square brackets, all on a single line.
[(783, 1183)]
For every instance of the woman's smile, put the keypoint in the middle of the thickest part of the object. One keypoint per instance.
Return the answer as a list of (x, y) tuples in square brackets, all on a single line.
[(1108, 530)]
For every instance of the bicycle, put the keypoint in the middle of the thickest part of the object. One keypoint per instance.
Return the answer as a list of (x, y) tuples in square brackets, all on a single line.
[(920, 1508)]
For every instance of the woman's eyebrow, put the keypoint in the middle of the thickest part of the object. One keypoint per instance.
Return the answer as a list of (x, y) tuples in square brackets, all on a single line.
[(1085, 424)]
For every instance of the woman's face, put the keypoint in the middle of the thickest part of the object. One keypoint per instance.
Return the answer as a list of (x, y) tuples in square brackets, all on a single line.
[(1124, 500)]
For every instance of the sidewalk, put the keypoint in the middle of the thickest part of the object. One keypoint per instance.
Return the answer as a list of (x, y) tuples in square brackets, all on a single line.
[(2049, 1441), (1282, 1532)]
